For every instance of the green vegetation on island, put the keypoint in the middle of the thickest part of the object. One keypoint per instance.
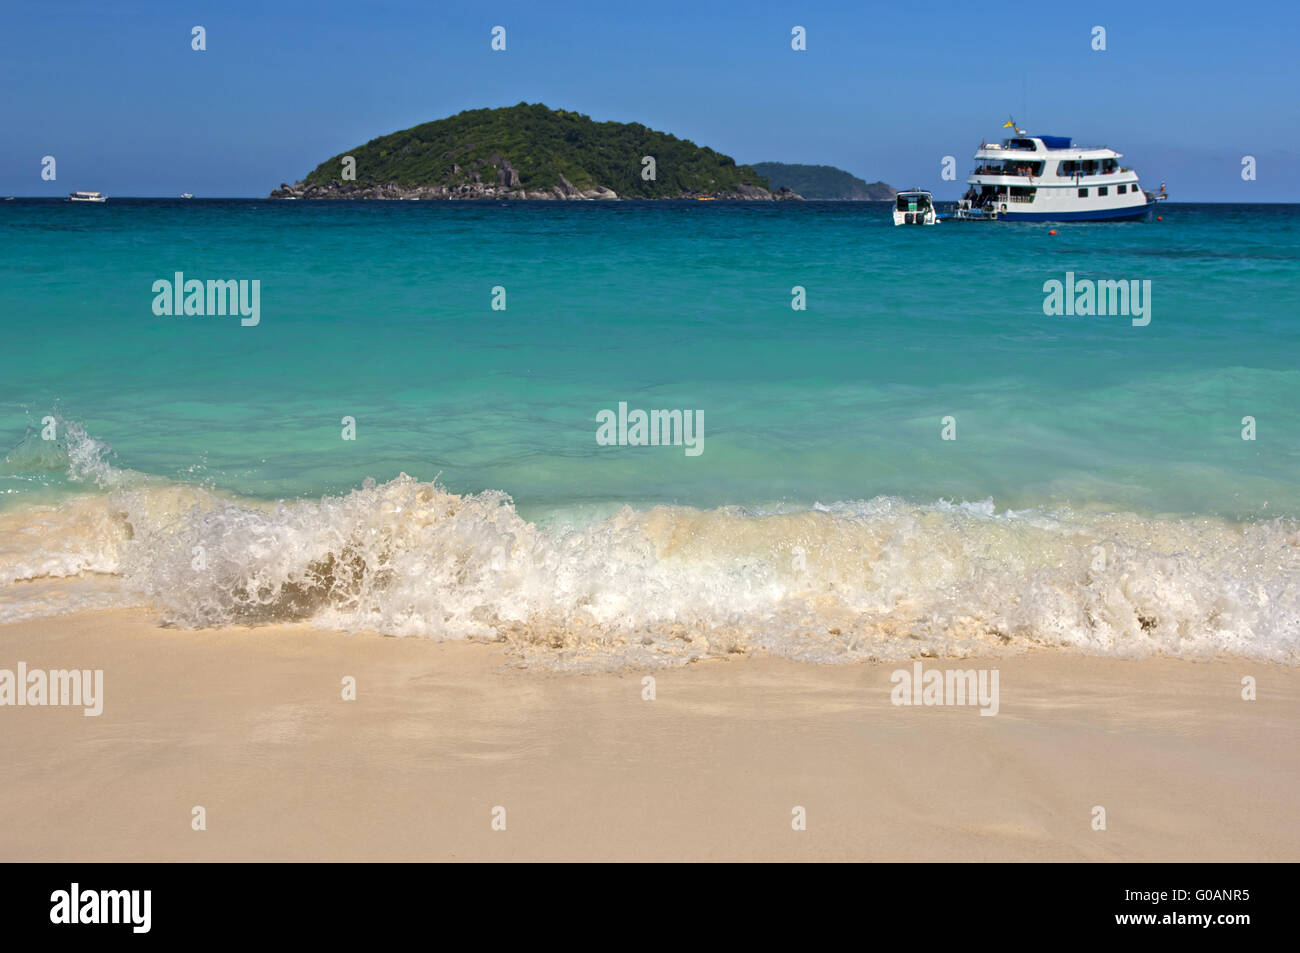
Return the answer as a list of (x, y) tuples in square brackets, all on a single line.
[(823, 182), (529, 151)]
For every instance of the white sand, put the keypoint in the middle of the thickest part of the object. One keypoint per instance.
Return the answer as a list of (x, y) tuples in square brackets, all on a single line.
[(249, 723)]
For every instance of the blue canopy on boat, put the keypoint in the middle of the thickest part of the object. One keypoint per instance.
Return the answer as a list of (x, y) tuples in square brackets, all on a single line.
[(1056, 142)]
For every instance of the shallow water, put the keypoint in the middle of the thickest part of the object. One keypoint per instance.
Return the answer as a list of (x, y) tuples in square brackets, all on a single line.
[(1098, 493)]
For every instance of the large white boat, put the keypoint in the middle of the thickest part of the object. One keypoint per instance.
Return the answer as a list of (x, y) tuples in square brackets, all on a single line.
[(1049, 179), (915, 207), (87, 197)]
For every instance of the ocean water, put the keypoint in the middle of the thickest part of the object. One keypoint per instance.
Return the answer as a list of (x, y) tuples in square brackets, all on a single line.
[(1097, 494)]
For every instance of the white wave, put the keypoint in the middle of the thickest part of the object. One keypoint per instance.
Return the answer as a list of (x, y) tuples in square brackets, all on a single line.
[(879, 578)]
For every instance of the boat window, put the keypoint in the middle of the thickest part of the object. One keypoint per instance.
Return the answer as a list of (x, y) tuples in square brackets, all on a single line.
[(1083, 193), (1122, 189), (1102, 190)]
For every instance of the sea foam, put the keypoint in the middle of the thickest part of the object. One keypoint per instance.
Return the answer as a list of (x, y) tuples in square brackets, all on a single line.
[(880, 578)]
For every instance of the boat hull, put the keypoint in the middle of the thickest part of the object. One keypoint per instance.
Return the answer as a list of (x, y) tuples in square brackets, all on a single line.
[(1089, 215)]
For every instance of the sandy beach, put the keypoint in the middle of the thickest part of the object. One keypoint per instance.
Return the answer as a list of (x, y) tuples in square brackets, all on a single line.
[(251, 725)]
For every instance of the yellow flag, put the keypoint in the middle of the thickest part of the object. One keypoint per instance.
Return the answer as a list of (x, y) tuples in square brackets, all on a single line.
[(1009, 124)]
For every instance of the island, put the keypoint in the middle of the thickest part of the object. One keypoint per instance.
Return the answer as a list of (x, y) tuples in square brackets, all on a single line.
[(824, 182), (530, 151)]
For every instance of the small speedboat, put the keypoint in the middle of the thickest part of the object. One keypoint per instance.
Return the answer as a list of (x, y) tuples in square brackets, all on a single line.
[(187, 195), (87, 197), (915, 208)]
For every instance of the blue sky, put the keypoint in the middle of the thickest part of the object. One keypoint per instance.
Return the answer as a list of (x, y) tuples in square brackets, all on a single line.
[(115, 93)]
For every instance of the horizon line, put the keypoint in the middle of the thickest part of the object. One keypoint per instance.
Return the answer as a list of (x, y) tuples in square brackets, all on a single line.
[(267, 198)]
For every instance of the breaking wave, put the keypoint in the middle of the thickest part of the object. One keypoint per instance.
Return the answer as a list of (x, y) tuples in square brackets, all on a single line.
[(873, 579)]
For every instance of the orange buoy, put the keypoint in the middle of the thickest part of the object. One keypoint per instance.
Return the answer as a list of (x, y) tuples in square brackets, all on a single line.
[(1160, 218), (1051, 231)]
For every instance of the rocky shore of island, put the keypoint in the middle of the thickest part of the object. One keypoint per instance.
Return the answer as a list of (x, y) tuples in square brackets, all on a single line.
[(489, 191)]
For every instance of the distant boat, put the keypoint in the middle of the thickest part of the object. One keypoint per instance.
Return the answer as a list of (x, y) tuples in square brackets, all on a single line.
[(9, 198), (87, 197), (187, 195)]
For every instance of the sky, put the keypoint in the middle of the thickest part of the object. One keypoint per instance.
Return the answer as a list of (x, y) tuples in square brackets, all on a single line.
[(114, 91)]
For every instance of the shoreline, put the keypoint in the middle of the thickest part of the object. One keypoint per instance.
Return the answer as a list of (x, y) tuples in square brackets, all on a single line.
[(563, 191), (249, 723)]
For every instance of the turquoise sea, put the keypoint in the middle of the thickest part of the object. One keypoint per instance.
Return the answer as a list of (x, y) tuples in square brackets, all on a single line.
[(1098, 494)]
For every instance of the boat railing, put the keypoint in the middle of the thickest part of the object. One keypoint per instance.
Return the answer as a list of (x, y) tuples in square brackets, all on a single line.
[(1020, 173)]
